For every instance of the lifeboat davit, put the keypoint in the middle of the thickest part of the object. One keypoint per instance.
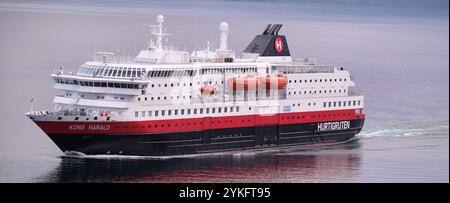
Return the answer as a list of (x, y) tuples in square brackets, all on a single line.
[(248, 83), (209, 90), (273, 82)]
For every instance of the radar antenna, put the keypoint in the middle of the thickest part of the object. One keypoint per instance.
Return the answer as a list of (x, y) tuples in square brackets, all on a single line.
[(157, 31)]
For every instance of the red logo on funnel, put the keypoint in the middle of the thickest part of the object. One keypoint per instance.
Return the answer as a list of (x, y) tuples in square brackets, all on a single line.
[(278, 44)]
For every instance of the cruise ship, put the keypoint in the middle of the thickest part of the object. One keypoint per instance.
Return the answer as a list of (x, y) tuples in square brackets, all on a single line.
[(170, 102)]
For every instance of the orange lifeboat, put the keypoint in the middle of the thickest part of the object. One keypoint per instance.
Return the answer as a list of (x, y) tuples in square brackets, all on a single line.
[(247, 83), (273, 82), (209, 90)]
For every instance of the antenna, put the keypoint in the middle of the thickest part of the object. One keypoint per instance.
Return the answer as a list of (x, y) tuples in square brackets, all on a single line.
[(105, 55), (158, 31), (224, 30)]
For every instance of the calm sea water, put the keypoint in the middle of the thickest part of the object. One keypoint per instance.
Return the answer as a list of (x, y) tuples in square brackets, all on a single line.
[(397, 51)]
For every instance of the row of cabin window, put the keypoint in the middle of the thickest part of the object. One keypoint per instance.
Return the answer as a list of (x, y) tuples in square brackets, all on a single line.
[(162, 98), (342, 103), (87, 118), (171, 73), (88, 69), (184, 84), (215, 71), (114, 71), (315, 91), (98, 97), (314, 116), (200, 123), (98, 84), (187, 111), (320, 80)]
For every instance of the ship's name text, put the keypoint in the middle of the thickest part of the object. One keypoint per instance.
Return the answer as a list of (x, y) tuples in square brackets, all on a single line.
[(89, 127), (328, 126)]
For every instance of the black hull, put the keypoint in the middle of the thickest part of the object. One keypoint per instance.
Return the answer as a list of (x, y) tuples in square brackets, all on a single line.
[(208, 141)]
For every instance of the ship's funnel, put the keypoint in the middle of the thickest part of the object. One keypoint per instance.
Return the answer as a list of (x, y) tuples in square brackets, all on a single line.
[(269, 43)]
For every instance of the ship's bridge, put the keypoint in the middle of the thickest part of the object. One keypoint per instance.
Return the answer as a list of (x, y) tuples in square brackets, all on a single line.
[(90, 84)]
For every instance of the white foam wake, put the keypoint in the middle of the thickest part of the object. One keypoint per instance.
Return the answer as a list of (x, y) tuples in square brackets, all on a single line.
[(75, 154), (406, 131)]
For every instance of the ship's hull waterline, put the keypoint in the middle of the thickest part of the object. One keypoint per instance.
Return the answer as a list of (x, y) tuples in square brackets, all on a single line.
[(205, 141)]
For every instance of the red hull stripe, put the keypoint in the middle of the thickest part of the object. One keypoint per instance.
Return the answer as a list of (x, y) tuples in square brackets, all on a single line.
[(193, 124)]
